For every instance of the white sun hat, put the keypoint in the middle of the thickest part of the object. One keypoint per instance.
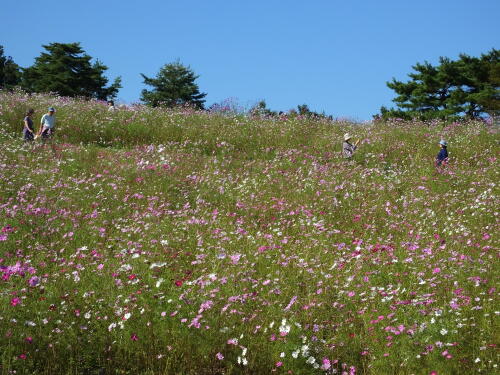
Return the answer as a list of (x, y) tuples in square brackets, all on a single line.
[(347, 136)]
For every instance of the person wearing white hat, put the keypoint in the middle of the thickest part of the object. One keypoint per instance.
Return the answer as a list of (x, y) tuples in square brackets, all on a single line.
[(347, 147)]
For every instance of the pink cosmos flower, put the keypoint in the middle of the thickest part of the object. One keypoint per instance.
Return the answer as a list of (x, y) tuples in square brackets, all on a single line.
[(235, 258), (219, 356), (134, 337), (326, 364), (15, 301), (292, 301)]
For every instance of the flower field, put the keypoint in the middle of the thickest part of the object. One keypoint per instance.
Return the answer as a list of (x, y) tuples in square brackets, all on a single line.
[(179, 242)]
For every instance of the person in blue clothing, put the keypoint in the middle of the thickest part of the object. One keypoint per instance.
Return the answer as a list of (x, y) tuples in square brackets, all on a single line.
[(442, 156), (28, 129)]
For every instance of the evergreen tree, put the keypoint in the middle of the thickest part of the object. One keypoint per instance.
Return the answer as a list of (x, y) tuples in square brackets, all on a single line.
[(479, 88), (452, 89), (67, 70), (304, 110), (173, 85), (260, 109), (10, 74)]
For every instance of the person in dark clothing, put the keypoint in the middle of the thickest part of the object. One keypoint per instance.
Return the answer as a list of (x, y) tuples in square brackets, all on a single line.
[(442, 156), (28, 129)]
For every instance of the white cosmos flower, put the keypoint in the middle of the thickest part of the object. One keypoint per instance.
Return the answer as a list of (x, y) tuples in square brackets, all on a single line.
[(311, 360)]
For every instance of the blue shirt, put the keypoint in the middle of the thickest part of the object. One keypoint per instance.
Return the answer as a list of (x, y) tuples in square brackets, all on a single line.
[(442, 156), (48, 121)]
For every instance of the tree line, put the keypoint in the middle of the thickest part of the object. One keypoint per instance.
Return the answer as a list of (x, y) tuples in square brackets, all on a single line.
[(66, 69), (466, 87)]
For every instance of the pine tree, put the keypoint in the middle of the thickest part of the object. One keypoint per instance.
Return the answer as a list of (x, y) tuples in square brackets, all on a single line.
[(467, 87), (10, 73), (67, 70), (174, 85), (260, 109)]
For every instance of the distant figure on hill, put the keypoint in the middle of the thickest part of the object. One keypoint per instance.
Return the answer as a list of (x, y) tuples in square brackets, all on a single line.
[(347, 147), (111, 106), (29, 130), (442, 156)]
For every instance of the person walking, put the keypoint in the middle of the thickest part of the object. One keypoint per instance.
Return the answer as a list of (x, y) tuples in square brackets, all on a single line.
[(47, 125), (47, 129), (28, 129), (442, 156), (347, 147)]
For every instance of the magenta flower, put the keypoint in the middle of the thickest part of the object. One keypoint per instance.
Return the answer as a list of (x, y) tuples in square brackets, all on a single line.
[(134, 337), (15, 301), (34, 281), (219, 356), (326, 364)]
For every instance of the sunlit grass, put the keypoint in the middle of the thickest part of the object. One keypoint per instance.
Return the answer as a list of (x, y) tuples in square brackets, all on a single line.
[(183, 242)]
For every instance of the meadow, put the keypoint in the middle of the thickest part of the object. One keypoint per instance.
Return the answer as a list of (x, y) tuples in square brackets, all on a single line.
[(157, 241)]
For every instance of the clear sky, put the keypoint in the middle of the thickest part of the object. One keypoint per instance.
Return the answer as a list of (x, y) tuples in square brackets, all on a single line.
[(335, 56)]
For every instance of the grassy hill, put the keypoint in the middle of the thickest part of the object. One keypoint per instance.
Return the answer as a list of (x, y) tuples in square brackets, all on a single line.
[(182, 242)]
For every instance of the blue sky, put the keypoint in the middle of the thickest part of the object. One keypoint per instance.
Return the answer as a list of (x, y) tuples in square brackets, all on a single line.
[(335, 56)]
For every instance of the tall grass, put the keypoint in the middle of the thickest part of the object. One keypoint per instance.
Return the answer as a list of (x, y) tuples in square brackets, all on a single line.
[(180, 242)]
